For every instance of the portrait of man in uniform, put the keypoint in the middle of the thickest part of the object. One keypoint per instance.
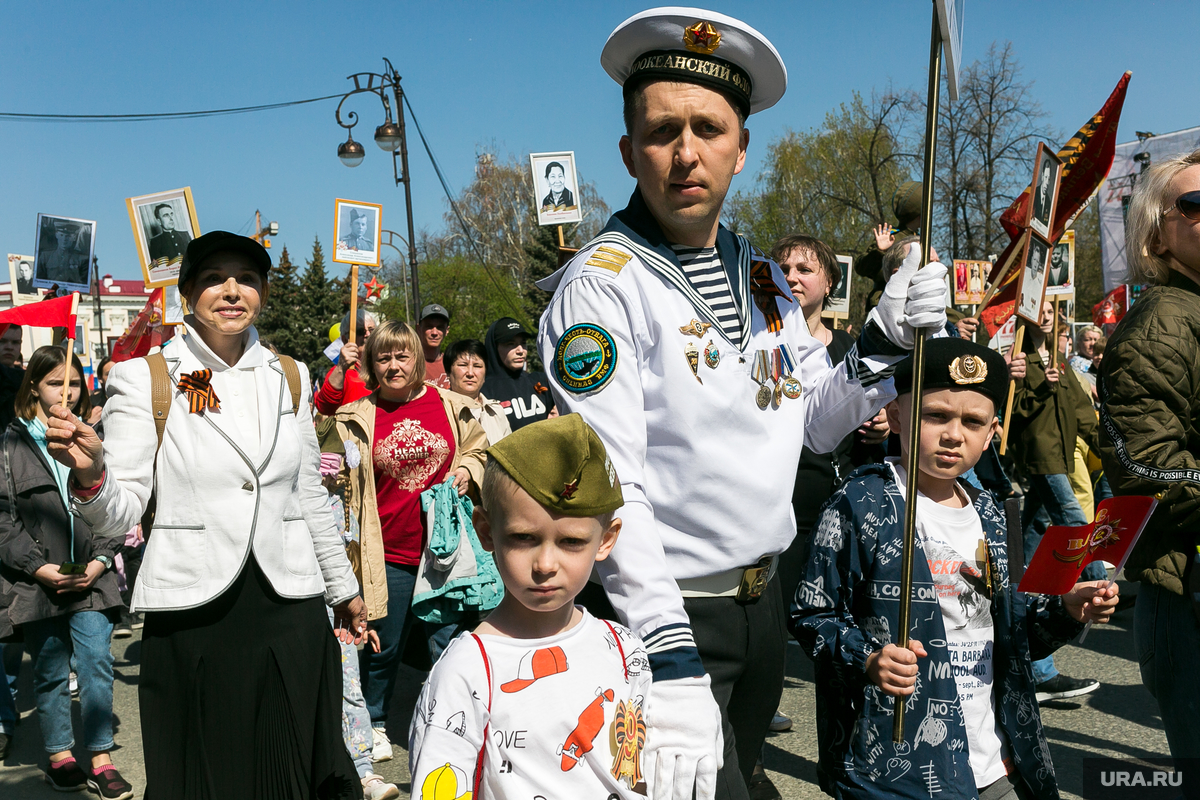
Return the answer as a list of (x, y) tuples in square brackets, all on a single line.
[(169, 243), (358, 227), (20, 275), (1033, 279), (1060, 276), (555, 188), (1045, 190), (163, 224), (64, 252)]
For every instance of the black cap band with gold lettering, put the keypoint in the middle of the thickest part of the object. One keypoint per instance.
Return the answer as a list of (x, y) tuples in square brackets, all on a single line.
[(711, 71)]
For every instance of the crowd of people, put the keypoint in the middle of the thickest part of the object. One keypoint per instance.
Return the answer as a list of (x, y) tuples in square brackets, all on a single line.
[(618, 546)]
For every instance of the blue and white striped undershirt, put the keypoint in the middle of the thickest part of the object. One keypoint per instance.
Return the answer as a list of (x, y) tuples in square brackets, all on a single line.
[(706, 274)]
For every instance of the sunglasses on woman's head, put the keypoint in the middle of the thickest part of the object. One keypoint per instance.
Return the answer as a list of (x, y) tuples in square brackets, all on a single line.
[(1188, 204)]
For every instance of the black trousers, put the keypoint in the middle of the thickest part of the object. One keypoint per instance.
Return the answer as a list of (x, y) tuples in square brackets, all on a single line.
[(742, 646)]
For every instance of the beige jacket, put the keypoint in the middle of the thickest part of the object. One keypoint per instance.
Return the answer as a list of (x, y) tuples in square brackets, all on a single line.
[(355, 422)]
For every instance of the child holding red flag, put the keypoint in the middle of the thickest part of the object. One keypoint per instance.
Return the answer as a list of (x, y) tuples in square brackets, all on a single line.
[(966, 678)]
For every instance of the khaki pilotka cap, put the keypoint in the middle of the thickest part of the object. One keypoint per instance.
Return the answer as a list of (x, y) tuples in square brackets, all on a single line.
[(562, 464)]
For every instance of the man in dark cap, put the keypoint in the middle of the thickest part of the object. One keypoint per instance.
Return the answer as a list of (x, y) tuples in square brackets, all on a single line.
[(906, 205), (681, 344), (435, 322), (524, 395)]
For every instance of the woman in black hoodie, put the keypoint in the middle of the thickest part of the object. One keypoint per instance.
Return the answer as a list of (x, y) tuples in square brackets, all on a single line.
[(524, 395)]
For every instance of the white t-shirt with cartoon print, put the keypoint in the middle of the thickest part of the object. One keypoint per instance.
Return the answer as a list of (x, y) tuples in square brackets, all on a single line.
[(565, 720)]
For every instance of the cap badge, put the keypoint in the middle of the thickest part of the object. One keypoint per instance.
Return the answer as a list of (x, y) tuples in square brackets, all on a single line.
[(569, 490), (701, 37), (695, 328), (968, 369)]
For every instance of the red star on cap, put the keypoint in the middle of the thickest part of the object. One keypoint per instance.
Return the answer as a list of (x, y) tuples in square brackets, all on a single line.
[(374, 287), (569, 490)]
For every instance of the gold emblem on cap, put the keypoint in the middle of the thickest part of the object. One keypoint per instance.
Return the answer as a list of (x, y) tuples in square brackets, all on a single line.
[(695, 328), (701, 37), (968, 369)]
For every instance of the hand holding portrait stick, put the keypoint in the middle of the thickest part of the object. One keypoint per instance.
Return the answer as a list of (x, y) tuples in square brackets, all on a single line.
[(75, 444)]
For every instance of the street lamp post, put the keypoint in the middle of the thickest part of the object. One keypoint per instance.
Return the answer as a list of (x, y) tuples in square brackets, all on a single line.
[(390, 138)]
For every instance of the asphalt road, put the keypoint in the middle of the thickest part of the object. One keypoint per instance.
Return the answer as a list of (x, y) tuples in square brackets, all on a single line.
[(1119, 720)]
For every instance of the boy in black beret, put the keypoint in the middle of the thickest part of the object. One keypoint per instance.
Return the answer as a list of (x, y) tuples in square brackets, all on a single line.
[(972, 727), (540, 685)]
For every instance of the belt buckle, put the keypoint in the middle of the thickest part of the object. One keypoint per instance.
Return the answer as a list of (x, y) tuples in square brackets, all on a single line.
[(754, 581)]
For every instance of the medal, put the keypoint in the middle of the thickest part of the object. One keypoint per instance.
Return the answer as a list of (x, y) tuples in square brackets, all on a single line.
[(712, 356), (791, 386), (693, 356), (695, 328), (763, 396)]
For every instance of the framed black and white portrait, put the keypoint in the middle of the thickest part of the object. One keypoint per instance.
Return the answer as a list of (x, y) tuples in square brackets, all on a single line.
[(1032, 289), (163, 224), (839, 296), (555, 188), (1047, 169), (63, 254), (1060, 278), (20, 276), (357, 228)]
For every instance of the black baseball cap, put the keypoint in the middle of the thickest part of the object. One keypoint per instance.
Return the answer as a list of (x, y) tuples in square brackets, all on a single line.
[(434, 310), (508, 329), (200, 248)]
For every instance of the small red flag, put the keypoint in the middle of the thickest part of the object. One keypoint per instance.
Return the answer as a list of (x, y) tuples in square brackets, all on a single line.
[(1110, 310), (55, 313), (1064, 551), (146, 331)]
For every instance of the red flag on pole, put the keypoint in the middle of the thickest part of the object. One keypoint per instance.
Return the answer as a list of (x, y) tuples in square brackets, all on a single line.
[(1064, 551), (1110, 310), (54, 313), (146, 331), (1087, 157)]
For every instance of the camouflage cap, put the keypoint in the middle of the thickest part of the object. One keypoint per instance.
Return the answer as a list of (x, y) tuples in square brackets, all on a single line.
[(561, 462)]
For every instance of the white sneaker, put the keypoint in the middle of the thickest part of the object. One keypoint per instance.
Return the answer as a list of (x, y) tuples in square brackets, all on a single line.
[(381, 747), (374, 788)]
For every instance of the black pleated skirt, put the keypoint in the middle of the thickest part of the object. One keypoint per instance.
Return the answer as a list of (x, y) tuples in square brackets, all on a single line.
[(242, 698)]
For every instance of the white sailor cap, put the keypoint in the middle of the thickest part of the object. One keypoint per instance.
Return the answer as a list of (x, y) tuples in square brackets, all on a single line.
[(696, 46)]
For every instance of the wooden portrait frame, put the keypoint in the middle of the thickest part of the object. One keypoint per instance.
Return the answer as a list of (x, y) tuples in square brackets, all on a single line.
[(1041, 218), (342, 253), (142, 217)]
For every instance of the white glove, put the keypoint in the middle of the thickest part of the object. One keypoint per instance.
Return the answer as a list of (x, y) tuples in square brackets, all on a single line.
[(913, 298), (684, 743)]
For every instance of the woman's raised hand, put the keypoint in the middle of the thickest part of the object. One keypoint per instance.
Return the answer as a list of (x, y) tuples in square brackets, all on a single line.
[(74, 443)]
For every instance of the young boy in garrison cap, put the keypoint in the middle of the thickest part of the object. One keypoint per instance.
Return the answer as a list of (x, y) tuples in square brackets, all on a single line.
[(543, 698), (972, 727)]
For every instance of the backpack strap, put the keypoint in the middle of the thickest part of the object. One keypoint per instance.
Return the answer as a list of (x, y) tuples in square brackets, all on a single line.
[(620, 649), (1016, 541), (487, 668), (292, 373), (160, 404)]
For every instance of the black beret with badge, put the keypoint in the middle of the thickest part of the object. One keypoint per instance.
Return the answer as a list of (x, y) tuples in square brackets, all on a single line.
[(562, 464), (696, 46), (953, 363)]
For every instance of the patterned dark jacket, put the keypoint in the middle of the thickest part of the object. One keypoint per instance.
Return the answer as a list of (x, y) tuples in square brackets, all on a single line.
[(847, 607)]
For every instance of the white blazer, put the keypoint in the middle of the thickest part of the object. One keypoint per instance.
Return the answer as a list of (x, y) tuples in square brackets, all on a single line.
[(218, 497)]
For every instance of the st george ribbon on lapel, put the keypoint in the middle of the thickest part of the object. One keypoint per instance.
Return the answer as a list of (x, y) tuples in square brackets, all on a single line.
[(196, 385)]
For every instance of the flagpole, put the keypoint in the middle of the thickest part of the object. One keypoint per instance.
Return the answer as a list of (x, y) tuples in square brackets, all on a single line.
[(911, 464), (351, 334), (70, 350)]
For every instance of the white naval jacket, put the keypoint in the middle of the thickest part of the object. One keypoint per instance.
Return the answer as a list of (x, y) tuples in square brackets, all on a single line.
[(219, 498), (707, 476)]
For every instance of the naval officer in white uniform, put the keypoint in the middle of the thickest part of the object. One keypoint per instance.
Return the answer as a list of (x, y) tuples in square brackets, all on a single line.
[(682, 346)]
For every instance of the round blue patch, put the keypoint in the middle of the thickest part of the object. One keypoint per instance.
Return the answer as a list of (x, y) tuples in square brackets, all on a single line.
[(585, 358)]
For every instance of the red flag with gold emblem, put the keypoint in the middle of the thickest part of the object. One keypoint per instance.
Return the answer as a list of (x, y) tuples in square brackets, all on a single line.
[(146, 331), (1110, 310), (1065, 550), (1087, 157)]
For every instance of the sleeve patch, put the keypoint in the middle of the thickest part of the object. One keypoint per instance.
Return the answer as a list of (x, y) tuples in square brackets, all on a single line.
[(585, 358)]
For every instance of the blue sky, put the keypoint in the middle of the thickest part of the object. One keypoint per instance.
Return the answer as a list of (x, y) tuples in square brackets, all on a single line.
[(513, 76)]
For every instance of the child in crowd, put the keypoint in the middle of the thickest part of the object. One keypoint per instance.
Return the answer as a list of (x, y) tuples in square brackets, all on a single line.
[(972, 727), (543, 698)]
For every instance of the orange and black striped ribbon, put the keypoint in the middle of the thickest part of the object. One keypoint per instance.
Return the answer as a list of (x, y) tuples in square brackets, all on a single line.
[(196, 385), (765, 290)]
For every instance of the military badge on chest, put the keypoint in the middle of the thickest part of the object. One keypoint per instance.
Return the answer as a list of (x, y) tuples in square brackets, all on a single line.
[(772, 371)]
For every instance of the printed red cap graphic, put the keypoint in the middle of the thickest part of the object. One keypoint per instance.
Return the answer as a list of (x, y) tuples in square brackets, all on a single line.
[(537, 664)]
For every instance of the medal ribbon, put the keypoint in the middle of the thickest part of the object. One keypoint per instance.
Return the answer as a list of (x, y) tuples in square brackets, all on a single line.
[(789, 363), (776, 365), (196, 385), (760, 366)]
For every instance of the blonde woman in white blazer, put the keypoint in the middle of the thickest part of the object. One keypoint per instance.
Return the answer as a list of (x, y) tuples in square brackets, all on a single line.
[(240, 686)]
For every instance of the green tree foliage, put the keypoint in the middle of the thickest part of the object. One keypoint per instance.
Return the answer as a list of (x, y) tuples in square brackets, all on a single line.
[(1089, 278), (281, 322)]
